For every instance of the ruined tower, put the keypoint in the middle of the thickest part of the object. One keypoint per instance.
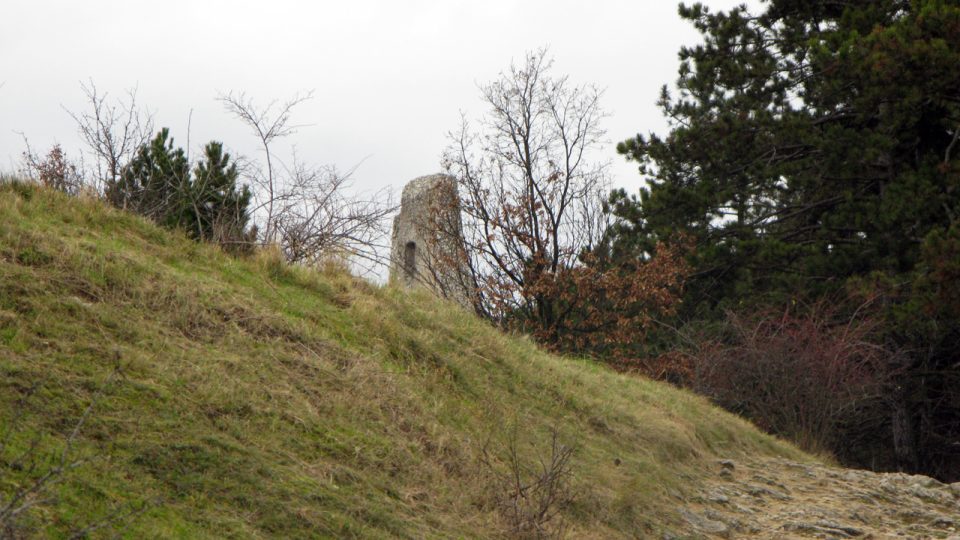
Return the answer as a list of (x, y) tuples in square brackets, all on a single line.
[(427, 248)]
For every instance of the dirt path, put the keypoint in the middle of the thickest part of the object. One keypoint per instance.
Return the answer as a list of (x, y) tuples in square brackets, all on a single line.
[(775, 498)]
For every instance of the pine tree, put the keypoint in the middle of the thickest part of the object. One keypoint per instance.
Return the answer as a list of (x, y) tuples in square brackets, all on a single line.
[(156, 183), (207, 206), (813, 151), (220, 208), (812, 142)]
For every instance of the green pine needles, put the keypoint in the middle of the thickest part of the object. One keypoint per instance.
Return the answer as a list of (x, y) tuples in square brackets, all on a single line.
[(208, 204)]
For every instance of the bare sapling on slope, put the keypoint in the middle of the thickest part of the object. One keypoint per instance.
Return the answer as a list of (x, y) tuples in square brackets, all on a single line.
[(311, 213)]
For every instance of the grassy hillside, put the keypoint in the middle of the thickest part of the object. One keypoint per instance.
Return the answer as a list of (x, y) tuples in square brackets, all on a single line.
[(258, 400)]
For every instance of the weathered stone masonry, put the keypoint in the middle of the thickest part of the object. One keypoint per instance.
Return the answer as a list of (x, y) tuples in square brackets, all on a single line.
[(427, 243)]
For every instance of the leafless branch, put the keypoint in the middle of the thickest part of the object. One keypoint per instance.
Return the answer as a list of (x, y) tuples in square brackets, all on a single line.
[(532, 498), (956, 137), (308, 211), (268, 124), (531, 196), (316, 219), (112, 132)]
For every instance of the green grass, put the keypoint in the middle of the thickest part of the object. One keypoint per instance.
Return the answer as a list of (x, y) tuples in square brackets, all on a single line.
[(259, 400)]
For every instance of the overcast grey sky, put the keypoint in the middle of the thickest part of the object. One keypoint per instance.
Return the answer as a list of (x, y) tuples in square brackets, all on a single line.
[(390, 77)]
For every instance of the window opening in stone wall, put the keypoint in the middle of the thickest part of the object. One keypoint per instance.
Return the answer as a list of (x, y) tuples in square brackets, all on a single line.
[(410, 260)]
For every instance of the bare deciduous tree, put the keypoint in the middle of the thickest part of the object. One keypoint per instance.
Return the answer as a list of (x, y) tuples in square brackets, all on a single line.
[(308, 211), (113, 131), (316, 218), (268, 124), (531, 196)]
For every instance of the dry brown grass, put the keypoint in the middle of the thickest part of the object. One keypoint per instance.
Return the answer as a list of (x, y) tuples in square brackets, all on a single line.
[(263, 400)]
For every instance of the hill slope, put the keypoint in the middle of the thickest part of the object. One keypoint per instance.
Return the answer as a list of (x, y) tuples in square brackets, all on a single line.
[(244, 398)]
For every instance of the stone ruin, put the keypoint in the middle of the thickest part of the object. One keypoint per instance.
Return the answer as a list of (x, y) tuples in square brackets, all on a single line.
[(427, 247)]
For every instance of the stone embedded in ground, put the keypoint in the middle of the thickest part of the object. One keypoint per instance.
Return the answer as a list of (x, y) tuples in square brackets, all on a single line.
[(831, 530), (703, 523), (718, 497)]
